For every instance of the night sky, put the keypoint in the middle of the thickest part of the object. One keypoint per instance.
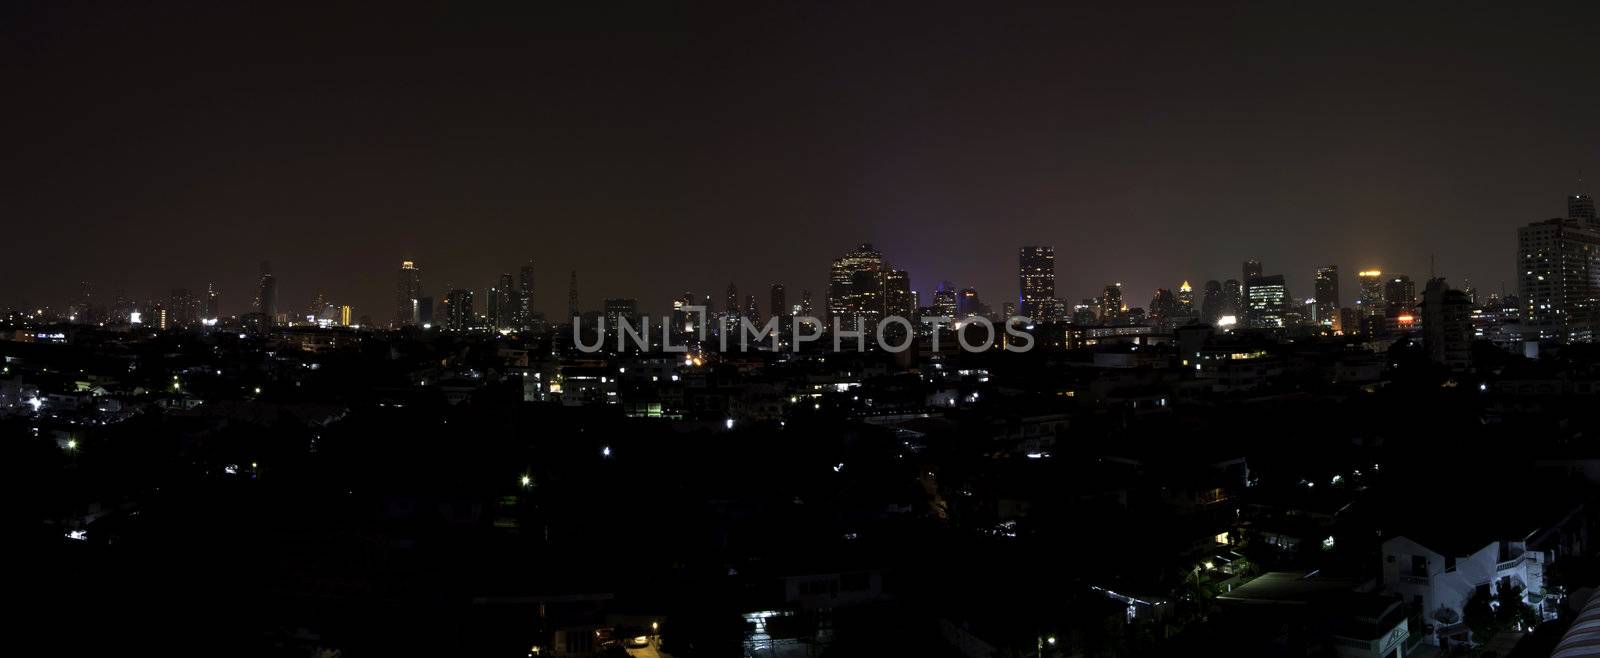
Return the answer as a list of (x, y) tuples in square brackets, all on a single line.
[(660, 150)]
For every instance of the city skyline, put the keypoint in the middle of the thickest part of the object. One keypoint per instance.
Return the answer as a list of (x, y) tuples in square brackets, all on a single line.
[(635, 144)]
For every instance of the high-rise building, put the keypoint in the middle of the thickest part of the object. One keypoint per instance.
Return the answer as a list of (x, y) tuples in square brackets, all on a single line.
[(1400, 293), (1211, 302), (1163, 304), (407, 295), (458, 313), (752, 311), (855, 287), (1111, 306), (1372, 302), (1327, 296), (731, 307), (944, 299), (776, 301), (898, 299), (1559, 283), (967, 303), (1580, 207), (524, 307), (1252, 269), (618, 309), (1036, 281), (1268, 304), (1447, 325), (1233, 303), (213, 302), (267, 293), (1186, 297), (572, 297), (503, 303)]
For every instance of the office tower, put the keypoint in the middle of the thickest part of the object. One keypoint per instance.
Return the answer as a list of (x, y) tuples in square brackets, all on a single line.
[(267, 293), (1400, 293), (752, 312), (458, 314), (524, 306), (572, 297), (1036, 281), (855, 287), (1371, 303), (1252, 269), (159, 318), (967, 303), (1211, 302), (1008, 310), (944, 299), (1185, 297), (730, 307), (1559, 280), (425, 313), (1327, 296), (776, 301), (806, 307), (1163, 304), (1233, 303), (1469, 291), (213, 302), (345, 313), (503, 303), (1447, 325), (407, 292), (1268, 302), (898, 299), (122, 306), (1111, 306), (319, 303)]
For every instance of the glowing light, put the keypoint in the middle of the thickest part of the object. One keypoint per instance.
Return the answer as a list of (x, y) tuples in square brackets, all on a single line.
[(605, 451), (728, 423), (526, 480), (1227, 321), (72, 444), (1370, 273)]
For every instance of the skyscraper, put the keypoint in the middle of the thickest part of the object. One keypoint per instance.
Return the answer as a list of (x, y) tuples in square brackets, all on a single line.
[(1268, 304), (776, 301), (1371, 303), (1211, 302), (1327, 296), (1111, 306), (213, 302), (267, 293), (407, 295), (944, 299), (968, 304), (501, 302), (1400, 293), (1252, 269), (1162, 304), (1036, 281), (524, 308), (1233, 300), (458, 314), (572, 297), (855, 287), (1580, 207), (1559, 284), (752, 311), (183, 309), (897, 296)]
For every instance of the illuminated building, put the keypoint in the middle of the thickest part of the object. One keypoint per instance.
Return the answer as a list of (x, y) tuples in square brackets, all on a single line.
[(1111, 306), (503, 303), (616, 310), (1559, 280), (1400, 293), (1371, 302), (944, 299), (898, 299), (968, 304), (523, 310), (458, 314), (855, 287), (344, 315), (407, 295), (1327, 298), (267, 293), (182, 310), (1268, 303), (752, 312), (1580, 208), (1185, 297), (1036, 281), (1162, 304)]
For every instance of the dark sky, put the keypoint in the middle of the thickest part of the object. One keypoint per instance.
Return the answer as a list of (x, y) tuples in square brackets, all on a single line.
[(657, 150)]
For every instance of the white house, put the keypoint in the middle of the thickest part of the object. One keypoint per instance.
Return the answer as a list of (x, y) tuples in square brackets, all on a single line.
[(1439, 582)]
